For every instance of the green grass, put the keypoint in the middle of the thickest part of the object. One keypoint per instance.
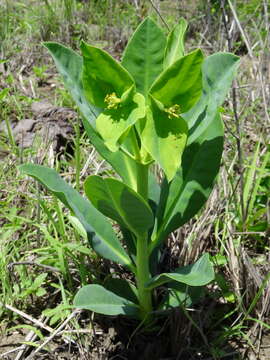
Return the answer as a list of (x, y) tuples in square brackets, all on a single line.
[(44, 255)]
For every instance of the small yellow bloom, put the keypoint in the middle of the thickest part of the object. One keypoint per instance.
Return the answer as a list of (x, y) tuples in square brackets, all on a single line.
[(173, 111), (112, 100)]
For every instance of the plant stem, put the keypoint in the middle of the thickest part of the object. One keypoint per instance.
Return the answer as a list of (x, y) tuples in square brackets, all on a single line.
[(142, 276), (142, 260), (142, 181)]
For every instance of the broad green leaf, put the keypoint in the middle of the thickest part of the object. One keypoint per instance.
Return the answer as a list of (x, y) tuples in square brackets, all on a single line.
[(69, 64), (175, 43), (153, 190), (194, 180), (181, 295), (113, 123), (198, 274), (125, 166), (119, 202), (100, 233), (181, 83), (218, 71), (130, 241), (78, 226), (144, 53), (96, 298), (122, 288), (102, 75), (164, 138)]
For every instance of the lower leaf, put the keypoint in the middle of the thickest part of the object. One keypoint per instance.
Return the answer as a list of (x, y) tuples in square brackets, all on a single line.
[(99, 231), (96, 298), (123, 288), (198, 274), (181, 295)]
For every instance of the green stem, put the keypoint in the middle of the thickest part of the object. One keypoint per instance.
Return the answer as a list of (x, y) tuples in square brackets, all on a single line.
[(142, 259), (142, 181), (142, 276)]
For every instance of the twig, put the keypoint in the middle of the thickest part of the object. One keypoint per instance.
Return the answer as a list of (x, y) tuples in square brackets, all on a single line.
[(11, 351), (31, 336), (88, 162), (236, 117), (32, 89), (28, 317), (80, 331), (56, 332), (264, 96), (159, 14), (34, 321), (197, 327), (250, 52), (263, 233)]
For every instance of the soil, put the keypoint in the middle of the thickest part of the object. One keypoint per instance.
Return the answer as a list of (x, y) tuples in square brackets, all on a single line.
[(171, 338)]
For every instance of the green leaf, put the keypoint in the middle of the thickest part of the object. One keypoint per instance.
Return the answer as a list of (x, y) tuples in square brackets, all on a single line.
[(125, 166), (4, 93), (175, 43), (144, 53), (198, 274), (251, 182), (102, 76), (69, 64), (122, 288), (120, 203), (181, 83), (100, 233), (77, 248), (164, 138), (113, 123), (194, 181), (96, 298), (256, 171), (130, 241), (78, 226), (181, 295), (218, 71)]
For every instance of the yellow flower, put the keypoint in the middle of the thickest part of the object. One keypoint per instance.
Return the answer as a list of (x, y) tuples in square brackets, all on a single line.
[(112, 100), (173, 111)]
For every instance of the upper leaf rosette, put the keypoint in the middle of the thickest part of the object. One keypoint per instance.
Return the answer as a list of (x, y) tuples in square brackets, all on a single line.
[(109, 86), (174, 92)]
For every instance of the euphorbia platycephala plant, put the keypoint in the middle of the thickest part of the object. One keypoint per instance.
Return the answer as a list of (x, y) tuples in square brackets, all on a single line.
[(159, 105)]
